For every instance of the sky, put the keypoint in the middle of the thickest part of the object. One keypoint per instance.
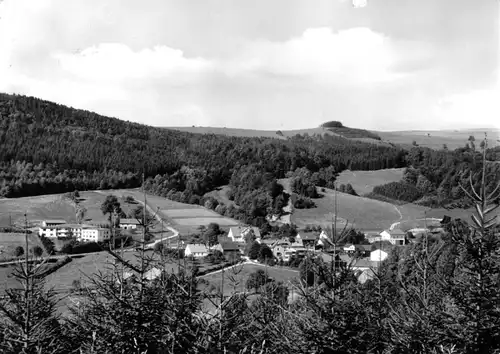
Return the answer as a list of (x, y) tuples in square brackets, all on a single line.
[(260, 64)]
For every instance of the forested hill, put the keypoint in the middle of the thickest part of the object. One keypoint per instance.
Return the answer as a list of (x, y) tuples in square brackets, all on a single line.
[(50, 148)]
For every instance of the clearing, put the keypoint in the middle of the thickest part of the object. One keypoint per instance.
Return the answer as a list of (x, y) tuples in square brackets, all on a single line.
[(364, 181), (221, 195), (364, 213)]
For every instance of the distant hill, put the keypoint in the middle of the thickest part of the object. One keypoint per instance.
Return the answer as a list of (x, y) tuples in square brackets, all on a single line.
[(345, 132), (435, 139), (426, 138)]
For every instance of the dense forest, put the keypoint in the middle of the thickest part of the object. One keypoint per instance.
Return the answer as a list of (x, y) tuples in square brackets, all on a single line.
[(50, 148), (433, 177)]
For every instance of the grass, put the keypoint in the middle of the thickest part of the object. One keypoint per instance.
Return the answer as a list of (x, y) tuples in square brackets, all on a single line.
[(364, 213), (363, 182), (9, 241)]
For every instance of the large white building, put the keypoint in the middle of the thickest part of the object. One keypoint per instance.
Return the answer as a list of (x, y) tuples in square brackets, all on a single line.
[(85, 233)]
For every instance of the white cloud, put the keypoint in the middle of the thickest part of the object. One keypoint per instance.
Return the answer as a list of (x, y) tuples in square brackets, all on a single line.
[(117, 62), (356, 55)]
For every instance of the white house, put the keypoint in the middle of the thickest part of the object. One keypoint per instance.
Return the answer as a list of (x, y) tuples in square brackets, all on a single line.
[(92, 234), (238, 233), (378, 256), (196, 250), (396, 237), (129, 224)]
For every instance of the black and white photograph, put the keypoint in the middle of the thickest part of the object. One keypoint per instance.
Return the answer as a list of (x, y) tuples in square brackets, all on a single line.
[(249, 177)]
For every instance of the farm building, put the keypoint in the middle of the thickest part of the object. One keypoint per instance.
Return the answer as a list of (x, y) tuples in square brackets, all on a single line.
[(196, 250), (129, 224), (52, 223), (238, 233)]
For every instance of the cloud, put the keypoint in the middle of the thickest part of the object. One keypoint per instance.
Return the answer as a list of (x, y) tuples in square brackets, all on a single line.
[(353, 56), (116, 62)]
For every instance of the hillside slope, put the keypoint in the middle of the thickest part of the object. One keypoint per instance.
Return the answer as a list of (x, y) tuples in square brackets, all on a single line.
[(49, 148)]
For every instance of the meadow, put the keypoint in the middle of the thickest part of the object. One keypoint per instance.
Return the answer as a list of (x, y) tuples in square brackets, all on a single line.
[(363, 182), (363, 213), (9, 241)]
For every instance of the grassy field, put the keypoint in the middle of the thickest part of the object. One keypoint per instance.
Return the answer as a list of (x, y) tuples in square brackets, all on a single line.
[(364, 181), (235, 278), (9, 241), (364, 213), (435, 139)]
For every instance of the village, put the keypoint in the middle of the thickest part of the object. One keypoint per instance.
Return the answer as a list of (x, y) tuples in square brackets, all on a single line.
[(364, 258)]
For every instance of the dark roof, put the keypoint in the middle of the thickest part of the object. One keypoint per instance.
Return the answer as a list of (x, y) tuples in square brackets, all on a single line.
[(229, 246)]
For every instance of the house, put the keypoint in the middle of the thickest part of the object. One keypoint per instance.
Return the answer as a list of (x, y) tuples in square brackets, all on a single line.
[(196, 250), (239, 233), (373, 235), (308, 239), (129, 224), (93, 234), (228, 248), (279, 251), (378, 256), (395, 236), (53, 223)]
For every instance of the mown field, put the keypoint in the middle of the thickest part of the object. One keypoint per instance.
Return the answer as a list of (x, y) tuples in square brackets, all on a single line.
[(363, 182), (363, 213)]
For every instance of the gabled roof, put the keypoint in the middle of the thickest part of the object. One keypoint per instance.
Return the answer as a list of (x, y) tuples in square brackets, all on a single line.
[(242, 230), (197, 248), (130, 221), (397, 232)]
